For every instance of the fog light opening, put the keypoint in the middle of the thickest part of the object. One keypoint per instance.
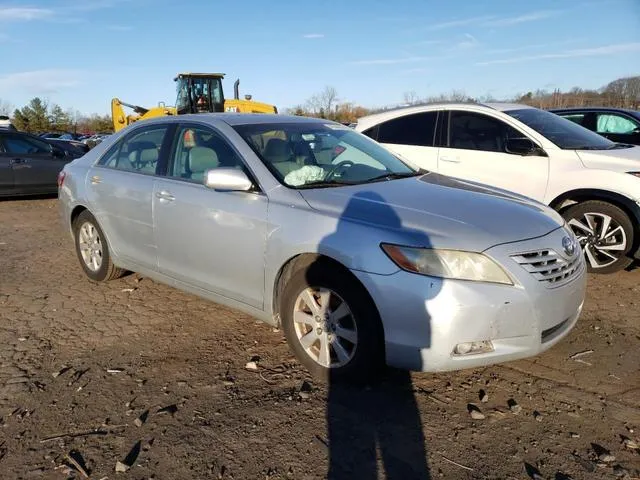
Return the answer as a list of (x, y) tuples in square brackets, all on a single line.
[(473, 348)]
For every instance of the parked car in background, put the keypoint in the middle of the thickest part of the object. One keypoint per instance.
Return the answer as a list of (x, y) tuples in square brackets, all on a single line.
[(592, 181), (94, 140), (617, 124), (5, 123), (71, 148), (360, 257), (50, 135), (29, 165)]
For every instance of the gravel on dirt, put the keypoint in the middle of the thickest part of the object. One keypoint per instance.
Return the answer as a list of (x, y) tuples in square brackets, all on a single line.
[(182, 359)]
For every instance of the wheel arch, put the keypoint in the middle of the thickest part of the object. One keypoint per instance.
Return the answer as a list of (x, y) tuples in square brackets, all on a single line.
[(300, 262), (75, 213)]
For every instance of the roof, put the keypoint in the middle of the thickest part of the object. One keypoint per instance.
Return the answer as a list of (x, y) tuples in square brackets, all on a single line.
[(234, 119), (596, 109), (199, 75), (374, 119), (262, 118), (505, 107)]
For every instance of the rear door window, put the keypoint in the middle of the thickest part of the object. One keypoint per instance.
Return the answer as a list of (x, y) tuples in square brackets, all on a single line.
[(575, 117), (416, 129), (139, 152)]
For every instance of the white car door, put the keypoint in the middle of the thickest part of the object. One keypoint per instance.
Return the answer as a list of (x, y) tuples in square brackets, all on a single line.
[(478, 148), (411, 137)]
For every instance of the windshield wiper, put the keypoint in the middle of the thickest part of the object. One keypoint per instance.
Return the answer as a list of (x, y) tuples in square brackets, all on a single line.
[(393, 176), (616, 146), (325, 183), (590, 147)]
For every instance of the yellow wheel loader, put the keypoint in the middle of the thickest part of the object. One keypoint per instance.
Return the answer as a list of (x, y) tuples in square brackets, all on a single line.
[(197, 93)]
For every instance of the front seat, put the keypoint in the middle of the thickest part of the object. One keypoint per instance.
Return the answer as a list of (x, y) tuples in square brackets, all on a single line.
[(279, 154), (200, 160)]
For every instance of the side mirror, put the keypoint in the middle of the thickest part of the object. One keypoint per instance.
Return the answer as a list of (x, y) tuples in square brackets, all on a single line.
[(227, 179), (521, 146)]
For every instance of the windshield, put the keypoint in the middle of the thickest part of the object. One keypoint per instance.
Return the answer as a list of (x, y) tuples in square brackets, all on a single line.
[(305, 155), (564, 133)]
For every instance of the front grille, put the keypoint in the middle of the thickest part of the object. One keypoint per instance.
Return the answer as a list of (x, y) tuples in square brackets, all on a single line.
[(549, 267)]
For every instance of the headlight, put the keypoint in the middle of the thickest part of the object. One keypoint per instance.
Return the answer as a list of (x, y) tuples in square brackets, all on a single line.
[(453, 264)]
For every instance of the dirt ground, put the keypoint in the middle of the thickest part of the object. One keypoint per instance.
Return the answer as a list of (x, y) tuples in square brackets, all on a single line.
[(136, 372)]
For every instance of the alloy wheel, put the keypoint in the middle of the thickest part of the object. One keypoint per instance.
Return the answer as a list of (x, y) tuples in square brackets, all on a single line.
[(90, 246), (603, 240), (325, 327)]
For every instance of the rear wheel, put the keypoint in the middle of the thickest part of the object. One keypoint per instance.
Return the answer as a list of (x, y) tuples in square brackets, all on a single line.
[(605, 233), (331, 324), (92, 249)]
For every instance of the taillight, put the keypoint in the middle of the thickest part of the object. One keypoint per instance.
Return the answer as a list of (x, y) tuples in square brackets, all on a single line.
[(61, 176)]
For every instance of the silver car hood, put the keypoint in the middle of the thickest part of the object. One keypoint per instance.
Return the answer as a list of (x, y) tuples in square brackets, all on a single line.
[(451, 213), (621, 160)]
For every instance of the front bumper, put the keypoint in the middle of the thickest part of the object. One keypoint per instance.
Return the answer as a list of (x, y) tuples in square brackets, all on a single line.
[(424, 318)]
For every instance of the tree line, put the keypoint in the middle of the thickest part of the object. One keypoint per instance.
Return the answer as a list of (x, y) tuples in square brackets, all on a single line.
[(39, 117), (622, 93)]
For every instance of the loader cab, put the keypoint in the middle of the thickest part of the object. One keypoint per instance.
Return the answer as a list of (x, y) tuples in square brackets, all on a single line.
[(199, 93)]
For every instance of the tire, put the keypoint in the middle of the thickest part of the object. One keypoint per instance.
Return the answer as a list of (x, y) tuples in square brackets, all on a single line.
[(611, 253), (362, 324), (90, 239)]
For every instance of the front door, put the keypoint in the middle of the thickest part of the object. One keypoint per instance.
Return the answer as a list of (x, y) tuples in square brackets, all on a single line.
[(6, 174), (209, 239), (475, 150), (35, 166), (121, 192)]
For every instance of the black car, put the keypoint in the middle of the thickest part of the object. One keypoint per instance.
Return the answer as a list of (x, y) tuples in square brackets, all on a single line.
[(30, 165), (617, 124), (72, 148)]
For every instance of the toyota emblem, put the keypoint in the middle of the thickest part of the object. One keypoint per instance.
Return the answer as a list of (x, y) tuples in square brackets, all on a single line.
[(569, 246)]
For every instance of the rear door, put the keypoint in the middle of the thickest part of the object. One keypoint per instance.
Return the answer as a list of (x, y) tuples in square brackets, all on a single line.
[(34, 165), (586, 119), (121, 191), (618, 127), (410, 136), (475, 150)]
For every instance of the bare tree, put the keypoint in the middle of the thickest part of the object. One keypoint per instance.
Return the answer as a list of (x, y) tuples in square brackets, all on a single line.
[(323, 103), (5, 108), (411, 98), (454, 96)]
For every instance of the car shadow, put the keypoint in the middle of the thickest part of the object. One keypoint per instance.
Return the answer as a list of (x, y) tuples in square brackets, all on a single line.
[(375, 425)]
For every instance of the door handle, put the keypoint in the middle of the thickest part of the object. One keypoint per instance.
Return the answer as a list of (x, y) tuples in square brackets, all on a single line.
[(450, 159), (164, 195), (95, 179), (15, 161)]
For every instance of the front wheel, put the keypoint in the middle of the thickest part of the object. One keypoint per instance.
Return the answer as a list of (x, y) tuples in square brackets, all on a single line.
[(331, 324), (605, 233)]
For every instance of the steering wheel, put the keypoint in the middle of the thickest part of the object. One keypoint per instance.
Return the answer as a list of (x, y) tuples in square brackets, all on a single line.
[(338, 167)]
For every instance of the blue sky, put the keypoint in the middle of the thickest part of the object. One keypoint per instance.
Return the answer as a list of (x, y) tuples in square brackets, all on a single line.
[(81, 53)]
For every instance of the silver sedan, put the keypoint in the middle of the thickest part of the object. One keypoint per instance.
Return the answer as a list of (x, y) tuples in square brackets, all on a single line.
[(361, 258)]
